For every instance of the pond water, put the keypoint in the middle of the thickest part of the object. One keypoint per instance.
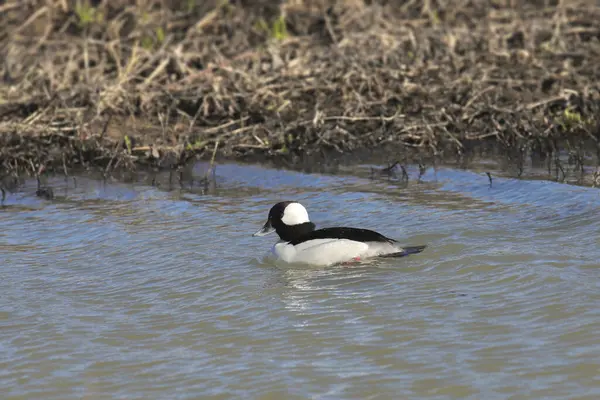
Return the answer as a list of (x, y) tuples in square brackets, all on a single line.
[(138, 291)]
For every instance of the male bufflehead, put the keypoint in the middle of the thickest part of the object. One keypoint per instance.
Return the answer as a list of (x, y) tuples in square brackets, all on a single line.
[(301, 243)]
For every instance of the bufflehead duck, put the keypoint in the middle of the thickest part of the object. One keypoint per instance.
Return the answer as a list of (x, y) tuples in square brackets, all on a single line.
[(301, 243)]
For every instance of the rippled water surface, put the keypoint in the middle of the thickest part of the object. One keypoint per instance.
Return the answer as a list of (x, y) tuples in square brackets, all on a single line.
[(132, 291)]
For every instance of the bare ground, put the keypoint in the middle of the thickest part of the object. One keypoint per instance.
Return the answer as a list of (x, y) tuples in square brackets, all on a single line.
[(118, 84)]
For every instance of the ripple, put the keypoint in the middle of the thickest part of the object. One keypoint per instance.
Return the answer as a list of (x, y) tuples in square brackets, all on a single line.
[(133, 291)]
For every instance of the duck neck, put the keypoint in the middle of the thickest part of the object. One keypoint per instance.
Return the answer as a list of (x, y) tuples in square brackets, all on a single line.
[(288, 233)]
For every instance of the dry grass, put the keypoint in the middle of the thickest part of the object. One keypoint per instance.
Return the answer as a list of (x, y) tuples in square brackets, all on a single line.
[(117, 83)]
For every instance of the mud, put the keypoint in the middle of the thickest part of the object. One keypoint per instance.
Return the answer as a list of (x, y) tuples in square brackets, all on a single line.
[(123, 84)]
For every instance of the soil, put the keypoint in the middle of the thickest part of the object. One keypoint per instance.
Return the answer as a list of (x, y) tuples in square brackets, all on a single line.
[(120, 84)]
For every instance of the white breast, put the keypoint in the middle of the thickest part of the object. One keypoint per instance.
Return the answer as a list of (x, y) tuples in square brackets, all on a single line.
[(329, 251)]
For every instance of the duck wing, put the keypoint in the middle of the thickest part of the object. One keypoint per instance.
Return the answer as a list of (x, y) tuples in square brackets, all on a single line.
[(353, 234)]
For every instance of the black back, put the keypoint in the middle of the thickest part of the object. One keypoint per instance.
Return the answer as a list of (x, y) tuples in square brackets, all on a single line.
[(356, 234)]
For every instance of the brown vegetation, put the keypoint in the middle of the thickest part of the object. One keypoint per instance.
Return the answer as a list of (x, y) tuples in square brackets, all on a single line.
[(116, 83)]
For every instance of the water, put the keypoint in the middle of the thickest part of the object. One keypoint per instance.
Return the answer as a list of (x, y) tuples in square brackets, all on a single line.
[(129, 291)]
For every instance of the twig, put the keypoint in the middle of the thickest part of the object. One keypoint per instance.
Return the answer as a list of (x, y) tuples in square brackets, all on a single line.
[(105, 127), (212, 159), (351, 119), (332, 34), (422, 170), (115, 152), (250, 146), (390, 169), (225, 125), (354, 119), (155, 73), (32, 18), (559, 167), (423, 126), (208, 18), (544, 102), (32, 166), (86, 59), (475, 97), (8, 6), (404, 173), (64, 161)]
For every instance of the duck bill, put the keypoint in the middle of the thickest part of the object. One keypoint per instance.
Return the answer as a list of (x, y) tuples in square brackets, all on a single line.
[(265, 230)]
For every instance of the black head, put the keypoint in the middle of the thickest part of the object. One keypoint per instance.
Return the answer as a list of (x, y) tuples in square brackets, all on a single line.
[(289, 219)]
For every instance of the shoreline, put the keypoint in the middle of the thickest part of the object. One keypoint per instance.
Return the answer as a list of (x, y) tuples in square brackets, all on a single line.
[(483, 160)]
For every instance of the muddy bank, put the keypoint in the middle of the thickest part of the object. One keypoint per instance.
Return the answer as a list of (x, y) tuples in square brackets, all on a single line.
[(119, 84)]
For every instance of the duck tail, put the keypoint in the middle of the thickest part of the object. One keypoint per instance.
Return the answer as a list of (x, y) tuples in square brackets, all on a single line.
[(406, 251)]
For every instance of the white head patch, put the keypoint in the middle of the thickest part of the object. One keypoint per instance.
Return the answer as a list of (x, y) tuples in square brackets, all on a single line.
[(295, 214)]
